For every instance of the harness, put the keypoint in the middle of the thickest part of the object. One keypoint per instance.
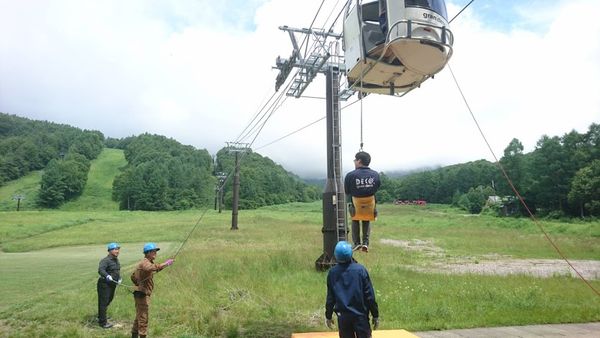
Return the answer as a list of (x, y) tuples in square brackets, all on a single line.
[(364, 208)]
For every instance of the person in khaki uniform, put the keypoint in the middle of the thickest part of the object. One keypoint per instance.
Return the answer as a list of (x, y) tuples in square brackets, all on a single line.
[(142, 278)]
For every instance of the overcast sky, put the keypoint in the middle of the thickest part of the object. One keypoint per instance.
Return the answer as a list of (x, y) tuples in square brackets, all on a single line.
[(198, 71)]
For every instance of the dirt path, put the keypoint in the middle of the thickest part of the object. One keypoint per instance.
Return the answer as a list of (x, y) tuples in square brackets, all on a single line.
[(496, 264)]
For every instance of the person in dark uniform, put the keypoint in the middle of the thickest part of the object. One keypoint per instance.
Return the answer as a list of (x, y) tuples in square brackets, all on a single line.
[(109, 270), (351, 295), (143, 279), (360, 183)]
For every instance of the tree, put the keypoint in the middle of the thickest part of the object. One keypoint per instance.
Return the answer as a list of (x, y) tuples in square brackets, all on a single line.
[(63, 180), (513, 163), (474, 200), (163, 174), (53, 186), (263, 182), (27, 145), (549, 171), (585, 189)]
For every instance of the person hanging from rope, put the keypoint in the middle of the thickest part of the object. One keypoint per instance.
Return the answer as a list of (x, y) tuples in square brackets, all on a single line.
[(360, 186), (109, 270), (351, 295), (143, 279)]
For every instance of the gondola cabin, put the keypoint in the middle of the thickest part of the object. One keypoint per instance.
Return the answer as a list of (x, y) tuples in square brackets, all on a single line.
[(392, 46)]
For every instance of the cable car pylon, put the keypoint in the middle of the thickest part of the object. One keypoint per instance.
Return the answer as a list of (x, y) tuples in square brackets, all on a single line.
[(324, 58)]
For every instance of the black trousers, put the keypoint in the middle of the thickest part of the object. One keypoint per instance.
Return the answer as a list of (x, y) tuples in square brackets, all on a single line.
[(106, 293), (366, 230), (354, 326)]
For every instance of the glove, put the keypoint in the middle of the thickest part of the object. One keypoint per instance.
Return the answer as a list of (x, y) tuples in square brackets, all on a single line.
[(329, 323), (169, 261), (109, 278), (375, 323), (120, 281)]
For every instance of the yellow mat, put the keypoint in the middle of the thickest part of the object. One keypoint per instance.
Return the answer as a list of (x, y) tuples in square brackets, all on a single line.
[(376, 334)]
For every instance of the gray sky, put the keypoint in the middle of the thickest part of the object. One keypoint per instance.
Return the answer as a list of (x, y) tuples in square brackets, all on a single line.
[(198, 71)]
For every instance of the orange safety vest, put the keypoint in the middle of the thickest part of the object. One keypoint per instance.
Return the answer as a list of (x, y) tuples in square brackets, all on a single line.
[(364, 208)]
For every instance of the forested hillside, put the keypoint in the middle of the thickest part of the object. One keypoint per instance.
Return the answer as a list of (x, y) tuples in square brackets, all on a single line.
[(561, 176), (27, 145), (97, 194), (163, 174), (63, 151), (263, 182)]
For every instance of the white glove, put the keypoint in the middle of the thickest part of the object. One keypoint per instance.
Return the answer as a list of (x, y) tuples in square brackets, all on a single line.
[(329, 323), (109, 278), (120, 280)]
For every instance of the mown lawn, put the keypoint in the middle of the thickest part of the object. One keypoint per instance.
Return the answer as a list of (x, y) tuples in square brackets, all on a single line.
[(260, 281)]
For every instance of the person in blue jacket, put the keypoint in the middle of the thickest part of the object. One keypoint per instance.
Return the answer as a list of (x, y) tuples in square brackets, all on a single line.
[(350, 295), (361, 182)]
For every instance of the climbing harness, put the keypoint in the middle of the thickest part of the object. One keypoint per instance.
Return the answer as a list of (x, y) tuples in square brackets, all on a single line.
[(364, 208)]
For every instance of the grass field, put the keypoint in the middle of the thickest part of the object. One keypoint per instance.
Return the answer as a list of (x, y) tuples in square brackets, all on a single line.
[(27, 186), (260, 281)]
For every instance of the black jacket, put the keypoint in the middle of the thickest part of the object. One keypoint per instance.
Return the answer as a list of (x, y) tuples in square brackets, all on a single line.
[(110, 265)]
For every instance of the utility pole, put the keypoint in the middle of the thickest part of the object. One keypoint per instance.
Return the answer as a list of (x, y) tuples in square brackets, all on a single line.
[(325, 59), (221, 177), (18, 198), (217, 182), (236, 148)]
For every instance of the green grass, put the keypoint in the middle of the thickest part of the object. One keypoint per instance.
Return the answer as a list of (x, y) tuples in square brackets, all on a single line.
[(260, 281), (27, 186), (97, 194)]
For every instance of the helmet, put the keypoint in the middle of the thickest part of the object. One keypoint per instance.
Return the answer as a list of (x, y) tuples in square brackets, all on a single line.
[(343, 252), (112, 246), (150, 247)]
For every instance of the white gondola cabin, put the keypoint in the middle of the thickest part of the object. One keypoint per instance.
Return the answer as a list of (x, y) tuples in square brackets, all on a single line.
[(392, 46)]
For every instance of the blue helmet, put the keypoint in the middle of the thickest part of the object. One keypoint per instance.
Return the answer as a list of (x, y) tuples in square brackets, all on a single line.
[(343, 252), (112, 246), (150, 247)]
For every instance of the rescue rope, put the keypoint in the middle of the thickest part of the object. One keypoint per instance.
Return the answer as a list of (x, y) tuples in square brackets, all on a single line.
[(361, 123), (360, 97), (173, 257), (190, 233), (514, 189)]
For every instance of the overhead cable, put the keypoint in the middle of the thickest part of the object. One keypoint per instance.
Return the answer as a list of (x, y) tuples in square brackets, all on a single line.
[(514, 189)]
